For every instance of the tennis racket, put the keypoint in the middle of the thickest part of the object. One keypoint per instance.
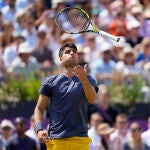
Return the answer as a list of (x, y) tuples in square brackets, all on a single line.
[(75, 20)]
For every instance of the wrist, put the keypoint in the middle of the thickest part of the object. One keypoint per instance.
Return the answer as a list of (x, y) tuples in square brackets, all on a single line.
[(84, 81), (38, 127)]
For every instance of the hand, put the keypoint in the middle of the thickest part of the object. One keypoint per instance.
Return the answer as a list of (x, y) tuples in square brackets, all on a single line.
[(43, 136), (80, 72)]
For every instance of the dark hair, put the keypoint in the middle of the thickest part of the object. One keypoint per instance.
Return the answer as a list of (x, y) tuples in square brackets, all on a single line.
[(20, 120), (122, 115), (41, 34), (70, 45), (104, 143)]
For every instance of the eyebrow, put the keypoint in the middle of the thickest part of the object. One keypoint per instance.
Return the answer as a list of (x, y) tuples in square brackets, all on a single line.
[(70, 49)]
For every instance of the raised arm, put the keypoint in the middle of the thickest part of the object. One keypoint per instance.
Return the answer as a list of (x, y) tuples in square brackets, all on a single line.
[(89, 90)]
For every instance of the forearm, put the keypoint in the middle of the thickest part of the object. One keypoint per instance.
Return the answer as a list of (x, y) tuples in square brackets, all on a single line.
[(89, 91), (38, 115), (40, 108)]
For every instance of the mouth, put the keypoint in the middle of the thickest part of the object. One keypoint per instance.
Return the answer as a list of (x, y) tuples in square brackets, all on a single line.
[(72, 57)]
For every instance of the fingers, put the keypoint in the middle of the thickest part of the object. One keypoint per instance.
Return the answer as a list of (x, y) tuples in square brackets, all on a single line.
[(80, 72), (86, 68), (43, 136), (77, 70)]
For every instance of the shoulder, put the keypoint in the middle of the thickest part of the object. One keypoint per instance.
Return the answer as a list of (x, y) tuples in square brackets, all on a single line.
[(13, 140), (5, 9), (52, 79), (146, 147), (120, 65), (112, 62), (16, 62), (91, 77), (93, 81), (32, 59), (28, 132), (146, 134), (29, 140)]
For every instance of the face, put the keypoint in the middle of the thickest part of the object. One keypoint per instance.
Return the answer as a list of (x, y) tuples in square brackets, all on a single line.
[(69, 57), (147, 49), (107, 55), (6, 132), (12, 3), (96, 119), (129, 58), (20, 128), (30, 23), (81, 57), (39, 4), (91, 42), (43, 40), (136, 131), (104, 99), (121, 123)]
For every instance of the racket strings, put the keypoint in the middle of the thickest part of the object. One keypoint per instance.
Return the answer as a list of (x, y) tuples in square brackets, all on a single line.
[(76, 19), (72, 20)]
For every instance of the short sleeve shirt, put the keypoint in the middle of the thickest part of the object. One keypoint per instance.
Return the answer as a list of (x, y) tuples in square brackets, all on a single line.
[(68, 105)]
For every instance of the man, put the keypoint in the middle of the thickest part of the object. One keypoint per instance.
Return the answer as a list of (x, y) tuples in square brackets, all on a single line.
[(103, 105), (43, 54), (95, 120), (121, 133), (7, 129), (70, 92), (20, 141), (24, 64), (103, 67)]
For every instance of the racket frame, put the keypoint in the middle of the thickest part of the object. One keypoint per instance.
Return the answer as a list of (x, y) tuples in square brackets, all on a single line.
[(94, 28)]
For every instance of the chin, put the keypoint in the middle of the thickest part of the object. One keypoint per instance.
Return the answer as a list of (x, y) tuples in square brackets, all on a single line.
[(70, 64)]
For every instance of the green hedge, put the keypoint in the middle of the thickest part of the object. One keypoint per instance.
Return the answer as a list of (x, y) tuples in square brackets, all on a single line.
[(20, 89), (27, 90), (128, 94)]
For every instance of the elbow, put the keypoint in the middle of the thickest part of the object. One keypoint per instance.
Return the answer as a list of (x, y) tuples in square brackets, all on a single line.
[(38, 109), (92, 99)]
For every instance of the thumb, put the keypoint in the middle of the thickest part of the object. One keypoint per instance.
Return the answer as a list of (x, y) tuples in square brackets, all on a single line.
[(45, 133), (86, 68)]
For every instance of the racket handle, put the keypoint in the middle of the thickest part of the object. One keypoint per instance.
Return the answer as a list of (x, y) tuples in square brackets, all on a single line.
[(110, 36)]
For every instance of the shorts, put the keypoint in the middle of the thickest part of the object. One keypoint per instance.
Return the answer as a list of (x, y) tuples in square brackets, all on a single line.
[(72, 143)]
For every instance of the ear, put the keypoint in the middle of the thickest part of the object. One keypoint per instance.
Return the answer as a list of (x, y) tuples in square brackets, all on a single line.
[(60, 58)]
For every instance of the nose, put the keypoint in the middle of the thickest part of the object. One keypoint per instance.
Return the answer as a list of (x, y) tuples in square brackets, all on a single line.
[(72, 53)]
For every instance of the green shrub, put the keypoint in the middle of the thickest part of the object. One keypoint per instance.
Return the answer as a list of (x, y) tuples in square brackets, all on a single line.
[(127, 94), (20, 89)]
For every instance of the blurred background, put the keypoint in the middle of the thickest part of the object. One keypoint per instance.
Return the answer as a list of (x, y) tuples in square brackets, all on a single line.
[(29, 45)]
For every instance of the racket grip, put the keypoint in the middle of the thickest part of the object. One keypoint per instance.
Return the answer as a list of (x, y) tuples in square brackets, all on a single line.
[(110, 36)]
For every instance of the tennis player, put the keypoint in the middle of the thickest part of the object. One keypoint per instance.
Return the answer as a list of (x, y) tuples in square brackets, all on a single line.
[(69, 93)]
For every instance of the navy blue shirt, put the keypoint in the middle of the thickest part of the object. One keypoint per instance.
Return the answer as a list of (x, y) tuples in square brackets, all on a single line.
[(68, 105), (25, 143)]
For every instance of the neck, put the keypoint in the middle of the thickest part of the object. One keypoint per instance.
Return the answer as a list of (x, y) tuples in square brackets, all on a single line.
[(134, 36), (106, 60), (103, 106), (6, 137), (68, 72), (29, 30), (21, 136), (122, 132), (138, 141), (41, 48)]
